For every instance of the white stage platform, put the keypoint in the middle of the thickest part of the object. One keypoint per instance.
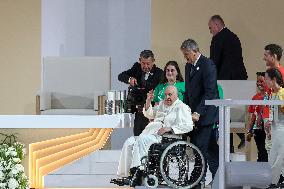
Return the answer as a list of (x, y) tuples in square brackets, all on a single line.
[(67, 121)]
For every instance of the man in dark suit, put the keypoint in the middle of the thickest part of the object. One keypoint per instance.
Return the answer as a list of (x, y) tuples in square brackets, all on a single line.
[(201, 85), (142, 77), (226, 53)]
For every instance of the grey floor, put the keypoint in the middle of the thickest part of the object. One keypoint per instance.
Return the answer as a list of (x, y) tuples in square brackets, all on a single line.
[(95, 170)]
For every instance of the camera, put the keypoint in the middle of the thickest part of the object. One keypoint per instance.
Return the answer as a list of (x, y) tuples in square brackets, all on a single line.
[(136, 97)]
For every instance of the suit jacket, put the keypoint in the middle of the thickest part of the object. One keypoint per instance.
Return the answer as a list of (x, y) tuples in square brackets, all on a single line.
[(201, 85), (153, 80), (226, 53)]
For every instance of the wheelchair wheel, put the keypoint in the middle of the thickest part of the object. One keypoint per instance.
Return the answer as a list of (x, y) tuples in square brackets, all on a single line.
[(182, 165), (151, 181)]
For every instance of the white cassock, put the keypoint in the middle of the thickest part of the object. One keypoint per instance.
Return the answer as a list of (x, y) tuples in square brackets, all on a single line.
[(177, 116), (276, 155)]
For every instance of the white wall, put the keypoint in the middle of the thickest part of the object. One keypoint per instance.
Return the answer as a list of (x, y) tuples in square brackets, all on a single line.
[(120, 29), (63, 28)]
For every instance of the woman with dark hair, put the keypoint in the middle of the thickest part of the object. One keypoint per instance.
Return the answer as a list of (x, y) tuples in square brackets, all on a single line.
[(274, 81), (172, 76)]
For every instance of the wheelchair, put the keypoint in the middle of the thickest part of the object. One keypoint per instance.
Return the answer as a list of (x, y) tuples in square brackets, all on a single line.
[(173, 162)]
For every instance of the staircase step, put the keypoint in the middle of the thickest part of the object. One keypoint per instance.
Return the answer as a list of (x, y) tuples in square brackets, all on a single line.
[(104, 168), (79, 181), (81, 166), (238, 156), (106, 156), (89, 164), (94, 170)]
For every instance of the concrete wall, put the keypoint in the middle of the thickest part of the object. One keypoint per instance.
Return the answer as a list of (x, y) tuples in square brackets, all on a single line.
[(120, 29), (63, 28)]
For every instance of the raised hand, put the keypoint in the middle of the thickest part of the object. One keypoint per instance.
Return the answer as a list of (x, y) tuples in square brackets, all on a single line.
[(150, 95), (149, 99)]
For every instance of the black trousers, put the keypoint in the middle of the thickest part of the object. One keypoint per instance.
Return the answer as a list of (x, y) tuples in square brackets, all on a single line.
[(140, 122), (204, 138), (240, 135), (259, 137)]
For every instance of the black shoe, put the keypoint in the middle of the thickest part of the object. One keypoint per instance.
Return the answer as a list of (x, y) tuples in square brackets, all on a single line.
[(198, 186), (133, 171), (281, 179), (272, 186), (121, 181), (281, 185), (242, 144), (136, 178)]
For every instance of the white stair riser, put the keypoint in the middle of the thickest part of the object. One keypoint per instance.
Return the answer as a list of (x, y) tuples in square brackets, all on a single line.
[(86, 169), (104, 168), (78, 181), (81, 166), (106, 156), (86, 165)]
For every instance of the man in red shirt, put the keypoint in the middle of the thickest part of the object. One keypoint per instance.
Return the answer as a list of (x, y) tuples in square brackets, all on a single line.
[(272, 55)]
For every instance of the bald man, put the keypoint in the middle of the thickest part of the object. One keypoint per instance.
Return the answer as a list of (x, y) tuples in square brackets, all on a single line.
[(170, 115), (226, 51)]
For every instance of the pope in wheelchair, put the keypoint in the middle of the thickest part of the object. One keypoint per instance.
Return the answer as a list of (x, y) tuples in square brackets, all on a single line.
[(155, 157)]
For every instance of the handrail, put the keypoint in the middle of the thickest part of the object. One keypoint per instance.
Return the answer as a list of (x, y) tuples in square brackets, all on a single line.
[(224, 128)]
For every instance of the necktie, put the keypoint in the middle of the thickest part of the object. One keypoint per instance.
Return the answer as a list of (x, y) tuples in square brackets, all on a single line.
[(191, 71)]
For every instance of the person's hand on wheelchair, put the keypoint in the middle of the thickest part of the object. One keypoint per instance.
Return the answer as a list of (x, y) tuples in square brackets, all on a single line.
[(195, 116), (164, 130)]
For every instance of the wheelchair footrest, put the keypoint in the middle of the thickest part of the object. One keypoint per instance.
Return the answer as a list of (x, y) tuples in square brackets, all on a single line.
[(145, 187), (121, 181)]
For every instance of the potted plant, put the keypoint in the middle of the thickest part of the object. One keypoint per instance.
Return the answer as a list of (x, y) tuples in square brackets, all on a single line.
[(12, 175)]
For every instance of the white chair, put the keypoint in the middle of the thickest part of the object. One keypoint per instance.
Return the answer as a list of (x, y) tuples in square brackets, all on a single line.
[(71, 85)]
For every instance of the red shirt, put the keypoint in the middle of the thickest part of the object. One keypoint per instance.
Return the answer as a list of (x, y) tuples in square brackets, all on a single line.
[(257, 108), (281, 69)]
